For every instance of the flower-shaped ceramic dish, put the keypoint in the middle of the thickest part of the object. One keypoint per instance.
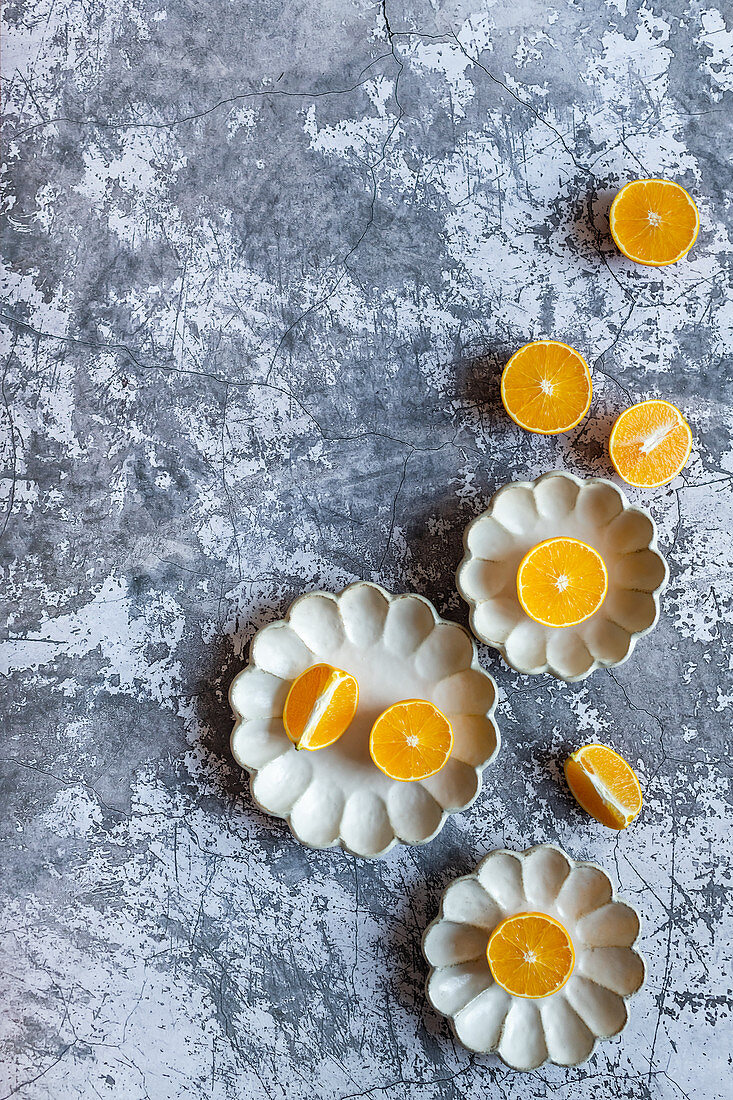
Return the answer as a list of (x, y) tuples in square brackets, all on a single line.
[(526, 1032), (524, 513), (398, 648)]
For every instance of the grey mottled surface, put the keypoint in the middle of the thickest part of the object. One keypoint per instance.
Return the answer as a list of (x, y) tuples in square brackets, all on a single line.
[(263, 264)]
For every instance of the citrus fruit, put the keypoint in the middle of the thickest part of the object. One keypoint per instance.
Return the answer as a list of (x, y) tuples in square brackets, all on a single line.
[(604, 785), (546, 387), (530, 955), (411, 740), (650, 443), (320, 706), (561, 582), (654, 222)]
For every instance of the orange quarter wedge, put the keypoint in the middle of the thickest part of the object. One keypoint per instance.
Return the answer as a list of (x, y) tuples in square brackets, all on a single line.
[(561, 582), (650, 443), (411, 740), (530, 955), (320, 706), (654, 222), (605, 785), (546, 387)]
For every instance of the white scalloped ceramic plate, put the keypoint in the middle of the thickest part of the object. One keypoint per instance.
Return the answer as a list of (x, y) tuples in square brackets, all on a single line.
[(397, 647), (524, 513), (525, 1032)]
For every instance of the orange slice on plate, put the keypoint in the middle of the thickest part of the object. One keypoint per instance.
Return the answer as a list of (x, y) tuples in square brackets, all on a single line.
[(319, 706), (411, 740), (530, 955), (605, 785), (654, 222), (546, 387), (561, 582), (650, 443)]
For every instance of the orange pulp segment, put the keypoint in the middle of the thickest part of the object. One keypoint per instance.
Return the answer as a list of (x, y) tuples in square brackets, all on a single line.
[(411, 740), (561, 582), (654, 222), (650, 443), (605, 785), (320, 706), (546, 387), (530, 955)]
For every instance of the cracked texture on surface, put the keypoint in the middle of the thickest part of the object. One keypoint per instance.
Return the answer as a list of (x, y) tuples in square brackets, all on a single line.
[(263, 266)]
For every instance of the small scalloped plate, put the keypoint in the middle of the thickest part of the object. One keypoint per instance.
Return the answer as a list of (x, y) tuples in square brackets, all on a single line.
[(397, 647), (594, 510), (526, 1032)]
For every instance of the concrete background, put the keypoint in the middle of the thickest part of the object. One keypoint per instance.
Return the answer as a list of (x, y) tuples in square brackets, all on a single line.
[(263, 265)]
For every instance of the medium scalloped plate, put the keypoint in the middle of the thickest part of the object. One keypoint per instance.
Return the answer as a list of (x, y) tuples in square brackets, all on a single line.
[(594, 510), (527, 1032), (397, 647)]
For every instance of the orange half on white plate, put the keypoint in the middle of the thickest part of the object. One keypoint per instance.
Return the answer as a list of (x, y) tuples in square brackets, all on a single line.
[(531, 955), (561, 582), (320, 706), (411, 740)]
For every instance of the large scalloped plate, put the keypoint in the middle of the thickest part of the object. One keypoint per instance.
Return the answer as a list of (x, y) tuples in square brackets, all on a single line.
[(594, 510), (527, 1032), (397, 647)]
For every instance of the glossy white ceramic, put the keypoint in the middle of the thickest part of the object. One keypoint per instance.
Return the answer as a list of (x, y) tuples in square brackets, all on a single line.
[(397, 647), (524, 1032), (524, 513)]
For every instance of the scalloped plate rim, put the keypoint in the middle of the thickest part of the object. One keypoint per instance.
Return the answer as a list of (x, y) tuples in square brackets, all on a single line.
[(634, 636), (474, 875), (479, 769)]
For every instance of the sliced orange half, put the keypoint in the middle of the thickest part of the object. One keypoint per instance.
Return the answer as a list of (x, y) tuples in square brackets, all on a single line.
[(411, 740), (320, 706), (654, 222), (561, 582), (530, 955), (605, 785), (650, 443), (546, 387)]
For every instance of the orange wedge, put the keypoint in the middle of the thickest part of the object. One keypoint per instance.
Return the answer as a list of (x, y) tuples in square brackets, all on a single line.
[(320, 706), (605, 785), (411, 740), (530, 955), (654, 222), (650, 443), (546, 387), (561, 582)]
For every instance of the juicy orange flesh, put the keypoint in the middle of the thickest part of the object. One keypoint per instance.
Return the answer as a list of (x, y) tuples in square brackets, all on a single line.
[(411, 740), (530, 955), (561, 582), (650, 443), (605, 785), (546, 387), (320, 705), (654, 221)]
